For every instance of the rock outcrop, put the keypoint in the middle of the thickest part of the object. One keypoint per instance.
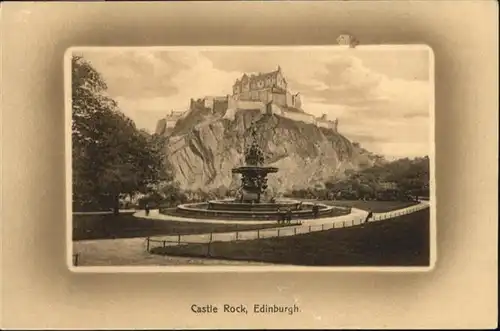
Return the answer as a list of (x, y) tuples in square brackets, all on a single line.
[(203, 148)]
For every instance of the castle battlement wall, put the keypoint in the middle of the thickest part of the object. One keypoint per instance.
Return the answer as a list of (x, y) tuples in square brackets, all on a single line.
[(238, 104), (324, 122), (299, 116), (161, 126)]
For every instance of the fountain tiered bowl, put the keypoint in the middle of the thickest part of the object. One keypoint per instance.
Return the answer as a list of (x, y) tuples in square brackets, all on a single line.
[(232, 209)]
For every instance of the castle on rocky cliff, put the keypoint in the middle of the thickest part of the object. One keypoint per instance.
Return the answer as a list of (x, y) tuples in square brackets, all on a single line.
[(267, 92)]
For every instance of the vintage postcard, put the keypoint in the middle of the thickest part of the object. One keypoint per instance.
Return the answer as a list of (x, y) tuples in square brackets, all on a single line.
[(250, 158)]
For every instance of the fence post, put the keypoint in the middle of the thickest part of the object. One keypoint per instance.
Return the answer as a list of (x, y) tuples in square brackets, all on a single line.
[(352, 222), (212, 236), (236, 235), (75, 259), (164, 242), (322, 227), (294, 231), (343, 224), (258, 233), (178, 239), (278, 232), (309, 228), (147, 244)]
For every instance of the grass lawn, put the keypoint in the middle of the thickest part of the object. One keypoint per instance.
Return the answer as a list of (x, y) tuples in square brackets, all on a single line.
[(87, 227), (403, 241), (374, 206)]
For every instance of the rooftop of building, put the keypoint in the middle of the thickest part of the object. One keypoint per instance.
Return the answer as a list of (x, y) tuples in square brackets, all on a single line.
[(258, 76)]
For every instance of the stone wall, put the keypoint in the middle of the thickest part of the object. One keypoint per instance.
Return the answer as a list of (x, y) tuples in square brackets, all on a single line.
[(170, 122), (296, 116), (220, 105), (289, 99), (239, 104), (325, 124), (272, 108), (161, 126), (279, 99), (267, 102), (208, 102)]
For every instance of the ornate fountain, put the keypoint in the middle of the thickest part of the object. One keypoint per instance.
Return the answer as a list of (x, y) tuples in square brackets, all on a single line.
[(253, 173)]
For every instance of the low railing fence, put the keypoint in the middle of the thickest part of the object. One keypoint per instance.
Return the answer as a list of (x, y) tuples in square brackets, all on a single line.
[(302, 228)]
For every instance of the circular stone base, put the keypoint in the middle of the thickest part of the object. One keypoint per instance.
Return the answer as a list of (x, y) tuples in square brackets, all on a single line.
[(230, 210), (234, 205)]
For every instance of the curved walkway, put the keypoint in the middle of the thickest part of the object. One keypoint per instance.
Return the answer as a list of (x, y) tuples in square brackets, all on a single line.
[(356, 217), (156, 215), (132, 251)]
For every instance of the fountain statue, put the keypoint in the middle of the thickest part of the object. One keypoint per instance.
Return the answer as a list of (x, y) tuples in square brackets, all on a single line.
[(253, 173)]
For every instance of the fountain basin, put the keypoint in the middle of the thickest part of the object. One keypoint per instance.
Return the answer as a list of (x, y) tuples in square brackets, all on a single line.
[(201, 210), (235, 205)]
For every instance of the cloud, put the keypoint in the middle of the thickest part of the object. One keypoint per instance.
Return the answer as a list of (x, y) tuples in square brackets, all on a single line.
[(136, 74), (147, 84), (381, 98)]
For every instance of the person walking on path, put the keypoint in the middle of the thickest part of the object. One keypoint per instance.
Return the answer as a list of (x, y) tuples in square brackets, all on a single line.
[(146, 209), (289, 215), (370, 215), (315, 210)]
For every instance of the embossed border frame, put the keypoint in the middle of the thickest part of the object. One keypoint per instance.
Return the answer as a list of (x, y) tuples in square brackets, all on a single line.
[(39, 291)]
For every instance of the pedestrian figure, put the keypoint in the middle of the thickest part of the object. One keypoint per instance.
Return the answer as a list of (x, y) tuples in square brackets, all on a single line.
[(146, 208), (289, 215), (315, 210), (370, 215), (283, 216)]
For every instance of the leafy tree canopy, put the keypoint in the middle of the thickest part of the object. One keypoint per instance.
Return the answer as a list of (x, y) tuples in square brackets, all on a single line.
[(110, 155)]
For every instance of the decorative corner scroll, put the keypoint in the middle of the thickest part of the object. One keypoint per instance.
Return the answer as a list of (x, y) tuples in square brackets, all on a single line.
[(347, 39)]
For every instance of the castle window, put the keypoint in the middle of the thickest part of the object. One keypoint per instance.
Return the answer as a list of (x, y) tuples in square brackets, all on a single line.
[(260, 83)]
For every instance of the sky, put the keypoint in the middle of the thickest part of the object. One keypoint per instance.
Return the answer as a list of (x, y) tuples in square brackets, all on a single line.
[(381, 96)]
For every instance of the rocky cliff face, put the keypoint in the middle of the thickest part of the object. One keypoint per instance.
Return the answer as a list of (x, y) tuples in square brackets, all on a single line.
[(203, 148)]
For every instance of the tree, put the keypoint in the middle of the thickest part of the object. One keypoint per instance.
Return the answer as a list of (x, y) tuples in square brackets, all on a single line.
[(110, 155), (410, 176)]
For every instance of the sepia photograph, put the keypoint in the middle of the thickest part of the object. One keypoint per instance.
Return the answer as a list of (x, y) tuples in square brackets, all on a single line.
[(318, 157)]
